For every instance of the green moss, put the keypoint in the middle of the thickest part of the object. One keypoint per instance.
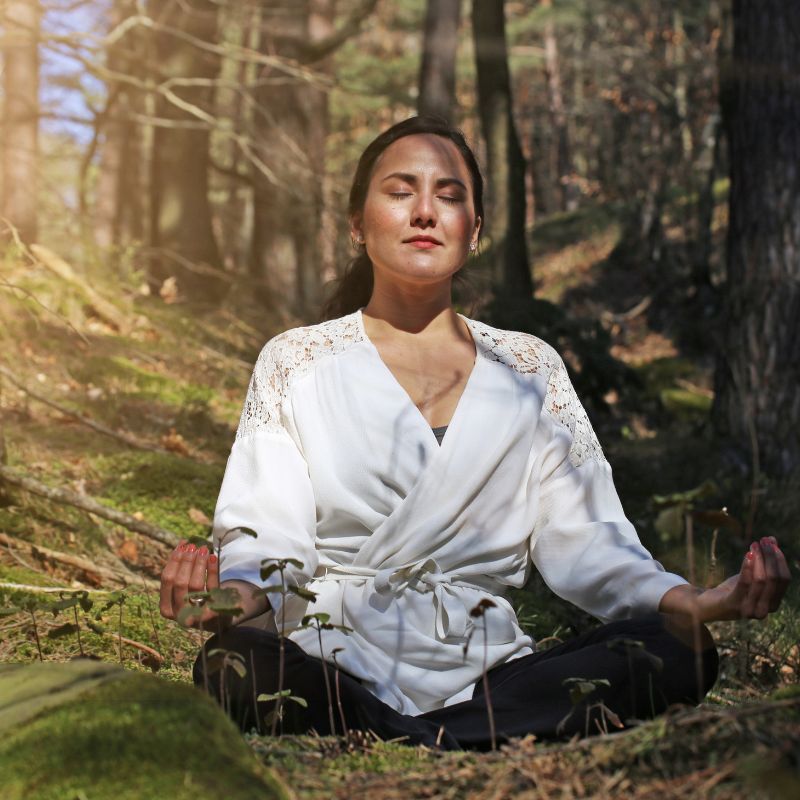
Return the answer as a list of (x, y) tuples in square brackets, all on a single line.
[(162, 488), (686, 404), (128, 377), (133, 737)]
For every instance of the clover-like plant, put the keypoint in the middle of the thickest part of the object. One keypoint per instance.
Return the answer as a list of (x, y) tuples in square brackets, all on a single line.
[(334, 653), (580, 689), (72, 600), (479, 612), (30, 604), (116, 598), (269, 566), (321, 622)]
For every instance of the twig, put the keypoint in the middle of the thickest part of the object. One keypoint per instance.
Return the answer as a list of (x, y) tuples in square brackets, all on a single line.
[(67, 497), (143, 647), (58, 266), (74, 561), (127, 438), (25, 587)]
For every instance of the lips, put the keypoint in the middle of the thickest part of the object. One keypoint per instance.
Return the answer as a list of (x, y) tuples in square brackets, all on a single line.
[(422, 242)]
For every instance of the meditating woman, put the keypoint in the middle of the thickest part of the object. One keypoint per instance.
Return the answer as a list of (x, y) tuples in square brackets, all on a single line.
[(413, 463)]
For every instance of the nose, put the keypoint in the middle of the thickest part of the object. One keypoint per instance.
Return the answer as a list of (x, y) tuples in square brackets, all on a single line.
[(423, 214)]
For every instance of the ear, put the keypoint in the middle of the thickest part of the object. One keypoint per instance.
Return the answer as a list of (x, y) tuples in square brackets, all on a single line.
[(476, 230), (356, 233)]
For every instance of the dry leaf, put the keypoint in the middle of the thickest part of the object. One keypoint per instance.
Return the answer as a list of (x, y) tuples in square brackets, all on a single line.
[(138, 515), (175, 443), (196, 515), (129, 551), (169, 290)]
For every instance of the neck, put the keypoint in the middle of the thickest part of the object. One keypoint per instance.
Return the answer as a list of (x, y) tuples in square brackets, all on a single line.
[(413, 309)]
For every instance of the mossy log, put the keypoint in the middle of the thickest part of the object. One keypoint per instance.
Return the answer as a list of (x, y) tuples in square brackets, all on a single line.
[(89, 729)]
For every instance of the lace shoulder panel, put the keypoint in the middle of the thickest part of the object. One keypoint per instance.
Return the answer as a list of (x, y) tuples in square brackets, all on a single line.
[(283, 360), (528, 354)]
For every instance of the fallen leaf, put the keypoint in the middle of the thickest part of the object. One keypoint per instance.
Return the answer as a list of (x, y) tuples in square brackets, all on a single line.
[(169, 290), (196, 515), (174, 442), (129, 551)]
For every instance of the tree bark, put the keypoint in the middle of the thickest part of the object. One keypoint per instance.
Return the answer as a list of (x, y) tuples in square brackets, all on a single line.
[(562, 163), (119, 209), (757, 402), (437, 80), (181, 226), (506, 165), (284, 250), (20, 129)]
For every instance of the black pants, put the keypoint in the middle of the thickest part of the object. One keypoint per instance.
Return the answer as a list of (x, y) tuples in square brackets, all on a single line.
[(636, 669)]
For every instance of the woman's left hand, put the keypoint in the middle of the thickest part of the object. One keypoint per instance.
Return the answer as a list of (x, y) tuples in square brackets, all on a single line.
[(756, 591)]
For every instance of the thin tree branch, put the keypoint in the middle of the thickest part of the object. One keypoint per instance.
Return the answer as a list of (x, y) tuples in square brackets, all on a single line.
[(129, 439), (70, 498)]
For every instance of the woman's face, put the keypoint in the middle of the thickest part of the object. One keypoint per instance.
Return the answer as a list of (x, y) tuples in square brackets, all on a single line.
[(418, 219)]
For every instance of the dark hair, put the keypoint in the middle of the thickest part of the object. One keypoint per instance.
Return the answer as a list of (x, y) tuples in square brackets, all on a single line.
[(354, 288)]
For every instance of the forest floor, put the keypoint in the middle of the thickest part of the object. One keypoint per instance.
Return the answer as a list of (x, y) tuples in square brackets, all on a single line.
[(171, 379)]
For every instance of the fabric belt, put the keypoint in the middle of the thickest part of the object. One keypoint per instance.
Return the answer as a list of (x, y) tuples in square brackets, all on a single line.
[(452, 616)]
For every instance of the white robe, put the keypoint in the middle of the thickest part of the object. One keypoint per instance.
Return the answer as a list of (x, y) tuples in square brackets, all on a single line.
[(400, 537)]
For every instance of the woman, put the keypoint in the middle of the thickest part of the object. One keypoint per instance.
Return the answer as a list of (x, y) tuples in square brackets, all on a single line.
[(414, 463)]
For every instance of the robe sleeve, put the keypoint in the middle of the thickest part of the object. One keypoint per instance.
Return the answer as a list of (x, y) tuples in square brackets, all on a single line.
[(583, 545), (266, 488)]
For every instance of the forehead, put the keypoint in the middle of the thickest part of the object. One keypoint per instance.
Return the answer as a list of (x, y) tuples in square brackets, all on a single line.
[(421, 154)]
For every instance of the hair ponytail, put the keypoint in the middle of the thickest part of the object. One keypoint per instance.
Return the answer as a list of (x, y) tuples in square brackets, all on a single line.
[(352, 290)]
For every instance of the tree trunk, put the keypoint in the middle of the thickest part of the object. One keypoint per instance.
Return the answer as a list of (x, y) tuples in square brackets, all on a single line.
[(566, 190), (20, 116), (506, 166), (284, 252), (320, 28), (757, 402), (119, 212), (437, 80), (181, 212)]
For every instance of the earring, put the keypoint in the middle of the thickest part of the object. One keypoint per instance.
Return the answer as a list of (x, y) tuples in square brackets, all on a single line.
[(357, 241), (473, 247)]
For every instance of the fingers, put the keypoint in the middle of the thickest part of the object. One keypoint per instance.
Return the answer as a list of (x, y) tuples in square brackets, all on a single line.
[(755, 561), (168, 575), (212, 575), (766, 576), (779, 573), (185, 572)]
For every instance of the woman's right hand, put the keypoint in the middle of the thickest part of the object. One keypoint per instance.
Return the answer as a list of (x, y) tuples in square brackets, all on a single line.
[(193, 569), (188, 569)]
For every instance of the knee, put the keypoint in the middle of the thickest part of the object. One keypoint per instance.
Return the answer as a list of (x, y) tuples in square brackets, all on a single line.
[(694, 655), (694, 635), (238, 645)]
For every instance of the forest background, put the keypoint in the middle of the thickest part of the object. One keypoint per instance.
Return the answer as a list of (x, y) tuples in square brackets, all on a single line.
[(173, 192)]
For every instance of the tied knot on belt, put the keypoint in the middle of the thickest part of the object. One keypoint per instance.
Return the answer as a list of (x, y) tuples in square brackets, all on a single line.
[(425, 576)]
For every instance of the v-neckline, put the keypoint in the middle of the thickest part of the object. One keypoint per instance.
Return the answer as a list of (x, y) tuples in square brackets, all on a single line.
[(402, 389)]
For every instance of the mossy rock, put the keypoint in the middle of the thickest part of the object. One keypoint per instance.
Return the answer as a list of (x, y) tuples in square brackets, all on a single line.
[(85, 729)]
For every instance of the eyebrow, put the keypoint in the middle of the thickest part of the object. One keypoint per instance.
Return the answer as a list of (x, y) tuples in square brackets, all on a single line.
[(440, 183)]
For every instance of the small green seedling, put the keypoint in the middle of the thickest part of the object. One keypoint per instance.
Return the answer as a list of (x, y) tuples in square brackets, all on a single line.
[(479, 612), (321, 622)]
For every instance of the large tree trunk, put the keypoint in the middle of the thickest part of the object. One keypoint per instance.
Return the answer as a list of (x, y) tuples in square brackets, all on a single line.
[(561, 160), (20, 116), (286, 203), (758, 402), (119, 205), (320, 28), (437, 80), (506, 165), (181, 212)]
